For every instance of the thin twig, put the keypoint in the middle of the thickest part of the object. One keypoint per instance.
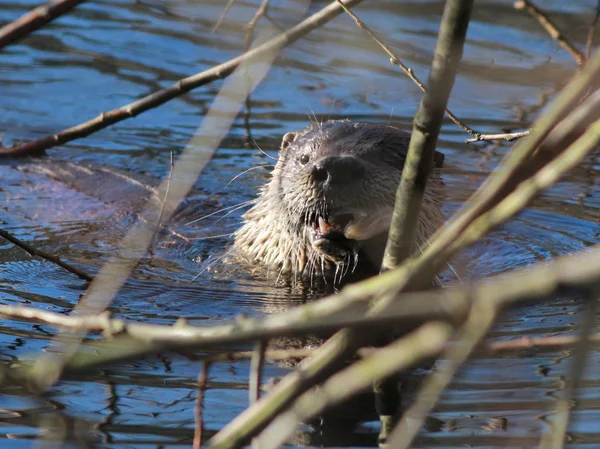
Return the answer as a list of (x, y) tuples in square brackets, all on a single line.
[(182, 86), (35, 19), (262, 10), (199, 428), (509, 137), (394, 59), (554, 342), (256, 366), (545, 21), (592, 32), (45, 255), (222, 16)]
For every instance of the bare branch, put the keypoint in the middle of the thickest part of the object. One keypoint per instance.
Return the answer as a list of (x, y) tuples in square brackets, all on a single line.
[(34, 20), (509, 137), (256, 366), (550, 28), (555, 437), (45, 255), (222, 16)]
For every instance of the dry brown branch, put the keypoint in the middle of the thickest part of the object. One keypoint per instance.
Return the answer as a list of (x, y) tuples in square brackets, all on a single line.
[(35, 19), (454, 312), (199, 427), (45, 255), (509, 137), (592, 32), (182, 86), (545, 21)]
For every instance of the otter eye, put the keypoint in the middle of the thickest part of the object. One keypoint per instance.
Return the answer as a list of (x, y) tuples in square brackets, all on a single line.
[(304, 159)]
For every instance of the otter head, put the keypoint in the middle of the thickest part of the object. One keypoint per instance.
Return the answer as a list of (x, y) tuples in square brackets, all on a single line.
[(329, 203)]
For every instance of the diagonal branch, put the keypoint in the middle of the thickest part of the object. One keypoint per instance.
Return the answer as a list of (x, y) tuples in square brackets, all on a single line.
[(34, 20), (550, 28)]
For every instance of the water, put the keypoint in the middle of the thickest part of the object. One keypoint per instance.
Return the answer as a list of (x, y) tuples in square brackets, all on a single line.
[(110, 53)]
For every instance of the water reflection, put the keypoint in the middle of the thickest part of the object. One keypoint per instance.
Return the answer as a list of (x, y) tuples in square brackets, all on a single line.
[(110, 53)]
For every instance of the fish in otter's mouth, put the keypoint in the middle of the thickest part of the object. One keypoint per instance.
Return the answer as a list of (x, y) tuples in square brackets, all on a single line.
[(327, 235)]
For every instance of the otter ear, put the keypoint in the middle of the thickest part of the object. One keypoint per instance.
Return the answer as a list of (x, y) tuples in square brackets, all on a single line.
[(287, 139)]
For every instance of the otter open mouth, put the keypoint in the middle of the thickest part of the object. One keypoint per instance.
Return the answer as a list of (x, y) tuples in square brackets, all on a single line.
[(327, 236)]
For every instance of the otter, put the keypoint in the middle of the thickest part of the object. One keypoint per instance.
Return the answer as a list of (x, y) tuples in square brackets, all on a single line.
[(327, 208)]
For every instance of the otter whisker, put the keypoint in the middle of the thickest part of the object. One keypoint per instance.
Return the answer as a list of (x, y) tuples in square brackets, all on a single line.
[(210, 237), (246, 171), (263, 151), (239, 205), (235, 209)]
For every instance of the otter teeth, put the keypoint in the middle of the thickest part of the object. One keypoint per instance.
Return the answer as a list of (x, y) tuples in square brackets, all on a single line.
[(323, 226)]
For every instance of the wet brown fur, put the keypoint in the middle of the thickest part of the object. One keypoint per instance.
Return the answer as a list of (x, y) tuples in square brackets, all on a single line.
[(274, 235)]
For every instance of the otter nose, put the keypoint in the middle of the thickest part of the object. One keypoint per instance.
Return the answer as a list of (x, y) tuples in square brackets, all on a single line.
[(337, 170)]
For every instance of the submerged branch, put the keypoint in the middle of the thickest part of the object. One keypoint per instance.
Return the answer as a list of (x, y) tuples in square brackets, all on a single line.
[(45, 255), (198, 416)]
